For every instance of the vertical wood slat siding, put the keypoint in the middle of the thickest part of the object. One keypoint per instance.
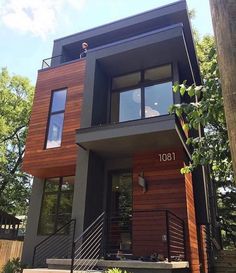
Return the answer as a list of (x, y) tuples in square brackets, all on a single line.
[(165, 190), (55, 161), (9, 249), (192, 243), (168, 189), (203, 248)]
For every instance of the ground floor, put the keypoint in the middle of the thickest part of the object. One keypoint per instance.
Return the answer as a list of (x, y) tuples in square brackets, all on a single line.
[(151, 209)]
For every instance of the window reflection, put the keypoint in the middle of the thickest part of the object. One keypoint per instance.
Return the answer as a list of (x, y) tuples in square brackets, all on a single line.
[(59, 101), (56, 204), (56, 119), (151, 98), (55, 130), (130, 105), (158, 99)]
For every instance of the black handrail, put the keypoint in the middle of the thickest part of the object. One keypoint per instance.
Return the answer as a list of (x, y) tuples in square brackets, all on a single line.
[(89, 227), (51, 247), (175, 232), (169, 228), (48, 62), (89, 247)]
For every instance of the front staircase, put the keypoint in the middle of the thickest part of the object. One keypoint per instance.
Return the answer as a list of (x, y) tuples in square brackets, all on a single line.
[(226, 262), (131, 266), (67, 254)]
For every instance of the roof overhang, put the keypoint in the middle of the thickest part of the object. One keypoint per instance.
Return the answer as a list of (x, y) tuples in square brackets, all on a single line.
[(165, 16), (126, 138), (166, 45)]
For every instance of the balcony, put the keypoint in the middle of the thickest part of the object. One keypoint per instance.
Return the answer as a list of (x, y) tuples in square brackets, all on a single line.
[(126, 138)]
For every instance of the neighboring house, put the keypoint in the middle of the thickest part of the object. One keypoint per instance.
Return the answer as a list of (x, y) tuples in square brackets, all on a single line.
[(9, 226), (101, 139)]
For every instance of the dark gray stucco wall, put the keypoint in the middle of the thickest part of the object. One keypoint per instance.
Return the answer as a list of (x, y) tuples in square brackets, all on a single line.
[(88, 189), (100, 98), (80, 188), (95, 185), (31, 238)]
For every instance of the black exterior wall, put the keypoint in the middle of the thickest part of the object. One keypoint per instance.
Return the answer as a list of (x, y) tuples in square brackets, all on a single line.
[(158, 37), (95, 189), (165, 16)]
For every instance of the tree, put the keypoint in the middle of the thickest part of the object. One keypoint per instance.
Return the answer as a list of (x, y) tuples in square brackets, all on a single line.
[(224, 23), (207, 110), (16, 94)]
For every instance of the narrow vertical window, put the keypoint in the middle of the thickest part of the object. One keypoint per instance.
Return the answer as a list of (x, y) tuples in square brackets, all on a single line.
[(56, 119)]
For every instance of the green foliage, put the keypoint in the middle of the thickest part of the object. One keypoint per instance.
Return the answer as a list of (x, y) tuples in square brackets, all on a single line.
[(13, 266), (206, 110), (16, 94), (115, 270)]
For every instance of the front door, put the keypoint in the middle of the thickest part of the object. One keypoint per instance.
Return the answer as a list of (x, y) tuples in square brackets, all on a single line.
[(119, 213)]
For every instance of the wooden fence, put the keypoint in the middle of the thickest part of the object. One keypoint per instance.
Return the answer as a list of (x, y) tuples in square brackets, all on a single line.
[(9, 249)]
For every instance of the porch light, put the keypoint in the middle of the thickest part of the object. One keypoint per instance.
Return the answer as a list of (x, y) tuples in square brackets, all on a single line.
[(142, 182)]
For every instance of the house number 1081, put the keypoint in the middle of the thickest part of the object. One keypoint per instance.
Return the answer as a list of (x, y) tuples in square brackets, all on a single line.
[(167, 157)]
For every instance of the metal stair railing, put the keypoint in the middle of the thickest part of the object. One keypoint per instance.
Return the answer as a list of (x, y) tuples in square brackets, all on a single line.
[(176, 242), (87, 247), (57, 245)]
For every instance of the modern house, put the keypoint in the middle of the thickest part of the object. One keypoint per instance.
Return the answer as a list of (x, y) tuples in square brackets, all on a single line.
[(102, 143)]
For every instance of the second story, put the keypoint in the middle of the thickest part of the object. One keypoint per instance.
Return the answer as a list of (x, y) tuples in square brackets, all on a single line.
[(121, 89)]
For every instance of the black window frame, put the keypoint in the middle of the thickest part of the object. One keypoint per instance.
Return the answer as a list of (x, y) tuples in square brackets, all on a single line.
[(58, 197), (141, 85), (53, 113)]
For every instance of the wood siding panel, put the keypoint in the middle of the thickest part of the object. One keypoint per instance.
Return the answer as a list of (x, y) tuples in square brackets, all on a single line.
[(167, 189), (192, 241), (59, 161)]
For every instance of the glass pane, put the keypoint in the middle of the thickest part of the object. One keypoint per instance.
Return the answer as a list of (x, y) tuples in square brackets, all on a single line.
[(52, 185), (130, 105), (122, 194), (48, 214), (120, 227), (158, 73), (65, 209), (55, 131), (58, 101), (158, 99), (68, 183), (126, 80)]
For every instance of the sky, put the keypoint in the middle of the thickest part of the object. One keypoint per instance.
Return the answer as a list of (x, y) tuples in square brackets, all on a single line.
[(29, 27)]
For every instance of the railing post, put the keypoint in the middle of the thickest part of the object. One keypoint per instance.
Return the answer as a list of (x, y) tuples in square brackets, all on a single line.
[(33, 260), (168, 236), (73, 248)]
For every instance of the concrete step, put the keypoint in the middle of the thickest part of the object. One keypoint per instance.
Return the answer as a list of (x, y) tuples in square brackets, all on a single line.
[(46, 270), (134, 266)]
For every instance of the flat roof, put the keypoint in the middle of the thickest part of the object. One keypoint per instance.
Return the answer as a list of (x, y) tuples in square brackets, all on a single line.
[(161, 17)]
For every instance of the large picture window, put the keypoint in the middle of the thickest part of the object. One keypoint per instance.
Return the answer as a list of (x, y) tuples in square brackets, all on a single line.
[(143, 94), (56, 119), (56, 204)]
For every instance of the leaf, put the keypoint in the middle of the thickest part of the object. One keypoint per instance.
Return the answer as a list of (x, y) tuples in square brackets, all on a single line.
[(176, 87), (185, 127), (182, 89), (190, 91)]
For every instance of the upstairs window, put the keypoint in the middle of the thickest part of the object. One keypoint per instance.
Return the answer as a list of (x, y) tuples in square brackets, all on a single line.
[(56, 119), (143, 94)]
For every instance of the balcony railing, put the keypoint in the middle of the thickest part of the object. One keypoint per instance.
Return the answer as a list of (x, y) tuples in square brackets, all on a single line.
[(144, 230), (53, 61)]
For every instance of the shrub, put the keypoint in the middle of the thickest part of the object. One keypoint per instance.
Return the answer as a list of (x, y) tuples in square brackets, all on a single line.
[(12, 266), (116, 270)]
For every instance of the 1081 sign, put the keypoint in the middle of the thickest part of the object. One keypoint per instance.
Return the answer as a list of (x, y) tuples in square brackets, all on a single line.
[(167, 157)]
